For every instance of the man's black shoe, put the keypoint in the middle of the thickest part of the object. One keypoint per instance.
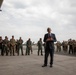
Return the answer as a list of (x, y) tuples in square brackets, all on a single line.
[(44, 66)]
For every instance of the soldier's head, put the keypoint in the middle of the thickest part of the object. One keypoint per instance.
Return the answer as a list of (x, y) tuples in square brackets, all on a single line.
[(70, 40), (73, 40), (6, 37), (49, 30), (12, 37)]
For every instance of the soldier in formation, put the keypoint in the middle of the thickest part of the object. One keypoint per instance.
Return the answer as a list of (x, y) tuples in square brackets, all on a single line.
[(39, 44), (17, 46), (5, 45), (12, 45), (1, 47), (20, 45), (70, 43), (72, 46), (28, 46), (65, 46), (58, 45)]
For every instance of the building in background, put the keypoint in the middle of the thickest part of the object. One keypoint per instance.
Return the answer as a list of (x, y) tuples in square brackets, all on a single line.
[(1, 1)]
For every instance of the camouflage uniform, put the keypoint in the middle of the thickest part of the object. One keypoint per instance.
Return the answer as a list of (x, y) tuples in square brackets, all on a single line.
[(65, 46), (74, 46), (39, 44), (58, 44), (28, 47), (5, 45), (12, 44), (17, 46), (70, 43), (20, 46), (1, 46), (9, 47)]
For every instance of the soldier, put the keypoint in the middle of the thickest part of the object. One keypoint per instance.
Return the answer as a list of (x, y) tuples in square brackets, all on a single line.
[(12, 44), (58, 44), (39, 44), (28, 46), (65, 46), (5, 45), (74, 46), (70, 43), (17, 46), (20, 45), (9, 47), (1, 46)]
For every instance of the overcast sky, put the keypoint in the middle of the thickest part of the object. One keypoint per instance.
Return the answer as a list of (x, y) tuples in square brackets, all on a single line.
[(30, 18)]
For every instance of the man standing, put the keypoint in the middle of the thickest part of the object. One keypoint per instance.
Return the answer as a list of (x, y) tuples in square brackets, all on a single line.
[(49, 40), (58, 45), (70, 43), (28, 46), (5, 45), (1, 46), (20, 45), (12, 44), (39, 44)]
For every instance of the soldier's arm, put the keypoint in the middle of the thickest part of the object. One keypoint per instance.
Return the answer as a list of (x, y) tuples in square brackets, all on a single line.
[(22, 41), (10, 42)]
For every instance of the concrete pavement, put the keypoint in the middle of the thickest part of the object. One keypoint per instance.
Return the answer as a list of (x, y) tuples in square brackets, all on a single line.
[(31, 65)]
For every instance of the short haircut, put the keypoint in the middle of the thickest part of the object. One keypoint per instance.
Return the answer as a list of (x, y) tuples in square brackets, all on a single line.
[(48, 29)]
